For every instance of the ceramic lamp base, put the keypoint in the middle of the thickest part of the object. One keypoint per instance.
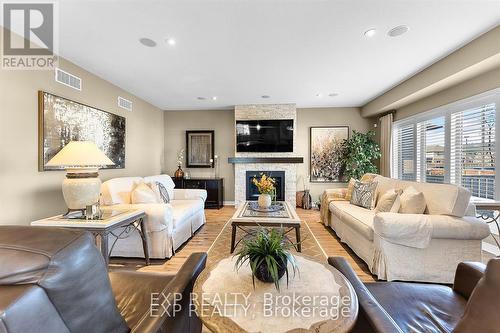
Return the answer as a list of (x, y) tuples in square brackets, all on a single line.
[(81, 188)]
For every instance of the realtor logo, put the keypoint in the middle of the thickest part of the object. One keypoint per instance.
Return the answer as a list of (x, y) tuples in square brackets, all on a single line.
[(29, 35)]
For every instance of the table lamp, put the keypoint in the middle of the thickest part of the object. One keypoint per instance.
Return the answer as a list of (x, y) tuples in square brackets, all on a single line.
[(82, 185)]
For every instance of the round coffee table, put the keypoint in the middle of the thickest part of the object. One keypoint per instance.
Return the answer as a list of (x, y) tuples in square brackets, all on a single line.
[(317, 299)]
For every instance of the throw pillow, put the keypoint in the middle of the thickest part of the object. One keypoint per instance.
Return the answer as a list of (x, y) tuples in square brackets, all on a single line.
[(350, 188), (363, 194), (160, 191), (388, 202), (142, 194), (412, 201)]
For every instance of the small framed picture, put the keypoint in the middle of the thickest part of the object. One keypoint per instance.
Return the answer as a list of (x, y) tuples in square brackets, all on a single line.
[(325, 153), (200, 149)]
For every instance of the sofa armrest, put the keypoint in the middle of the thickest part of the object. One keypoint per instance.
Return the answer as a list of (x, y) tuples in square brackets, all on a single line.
[(335, 194), (189, 194), (390, 225), (377, 317), (467, 276), (159, 216)]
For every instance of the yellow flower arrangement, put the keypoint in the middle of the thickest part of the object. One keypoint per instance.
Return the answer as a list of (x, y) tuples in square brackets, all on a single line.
[(265, 185)]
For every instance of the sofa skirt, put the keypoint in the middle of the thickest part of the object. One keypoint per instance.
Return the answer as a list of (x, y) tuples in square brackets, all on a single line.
[(161, 244), (436, 263)]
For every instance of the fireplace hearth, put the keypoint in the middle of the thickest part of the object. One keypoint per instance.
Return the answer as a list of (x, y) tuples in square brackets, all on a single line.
[(252, 192)]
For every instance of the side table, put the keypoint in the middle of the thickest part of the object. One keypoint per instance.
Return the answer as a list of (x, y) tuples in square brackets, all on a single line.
[(493, 207), (110, 222)]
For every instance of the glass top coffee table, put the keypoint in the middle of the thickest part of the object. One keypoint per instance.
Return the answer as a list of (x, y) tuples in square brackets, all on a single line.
[(247, 219)]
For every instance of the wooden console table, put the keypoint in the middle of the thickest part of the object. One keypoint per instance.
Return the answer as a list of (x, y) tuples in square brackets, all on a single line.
[(213, 186)]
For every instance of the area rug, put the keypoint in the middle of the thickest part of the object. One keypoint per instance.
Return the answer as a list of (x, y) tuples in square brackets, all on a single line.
[(221, 247)]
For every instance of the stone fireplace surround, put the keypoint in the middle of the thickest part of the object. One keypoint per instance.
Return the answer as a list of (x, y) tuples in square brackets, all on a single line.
[(266, 112)]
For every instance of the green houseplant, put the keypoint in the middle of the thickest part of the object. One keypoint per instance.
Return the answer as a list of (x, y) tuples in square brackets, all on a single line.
[(359, 153), (268, 255)]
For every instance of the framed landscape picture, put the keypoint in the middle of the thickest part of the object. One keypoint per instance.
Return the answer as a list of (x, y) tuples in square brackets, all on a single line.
[(200, 149), (61, 120), (325, 153)]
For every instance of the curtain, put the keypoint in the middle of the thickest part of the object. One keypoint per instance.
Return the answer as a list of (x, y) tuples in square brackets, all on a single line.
[(385, 144)]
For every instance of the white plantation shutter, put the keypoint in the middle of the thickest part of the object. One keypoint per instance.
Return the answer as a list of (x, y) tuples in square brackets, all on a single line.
[(472, 153), (455, 143), (431, 150), (404, 147)]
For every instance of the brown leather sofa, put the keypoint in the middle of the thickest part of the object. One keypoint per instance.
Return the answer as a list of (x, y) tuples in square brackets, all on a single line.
[(471, 305), (55, 280)]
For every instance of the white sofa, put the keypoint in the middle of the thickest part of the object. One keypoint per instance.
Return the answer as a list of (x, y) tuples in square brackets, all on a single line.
[(413, 247), (167, 226)]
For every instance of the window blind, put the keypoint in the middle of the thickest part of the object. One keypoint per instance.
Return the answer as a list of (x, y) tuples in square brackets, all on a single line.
[(405, 149), (431, 150), (472, 153)]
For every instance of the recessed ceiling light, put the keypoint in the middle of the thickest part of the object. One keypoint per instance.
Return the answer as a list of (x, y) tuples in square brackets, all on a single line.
[(319, 95), (214, 98), (201, 98), (170, 41), (398, 31), (370, 32), (333, 94), (147, 42), (265, 96)]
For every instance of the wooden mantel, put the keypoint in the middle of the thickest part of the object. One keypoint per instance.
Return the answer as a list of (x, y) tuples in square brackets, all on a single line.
[(249, 160)]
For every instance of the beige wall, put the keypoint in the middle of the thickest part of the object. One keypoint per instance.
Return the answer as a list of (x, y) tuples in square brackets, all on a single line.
[(27, 194), (477, 85), (324, 117), (222, 121)]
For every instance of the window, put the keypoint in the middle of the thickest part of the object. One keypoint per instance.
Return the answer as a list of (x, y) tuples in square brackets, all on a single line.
[(473, 150), (453, 144), (432, 159), (404, 139)]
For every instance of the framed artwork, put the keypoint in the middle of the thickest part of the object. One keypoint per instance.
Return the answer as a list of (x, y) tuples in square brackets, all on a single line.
[(61, 120), (325, 153), (200, 149)]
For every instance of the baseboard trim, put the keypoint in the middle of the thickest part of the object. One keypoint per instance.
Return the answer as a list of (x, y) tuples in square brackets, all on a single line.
[(229, 203)]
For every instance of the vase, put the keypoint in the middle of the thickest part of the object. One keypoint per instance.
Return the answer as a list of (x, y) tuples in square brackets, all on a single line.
[(179, 174), (262, 273), (306, 200), (264, 200)]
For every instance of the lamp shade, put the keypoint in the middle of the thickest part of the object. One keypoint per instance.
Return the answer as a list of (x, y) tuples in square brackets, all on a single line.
[(80, 154)]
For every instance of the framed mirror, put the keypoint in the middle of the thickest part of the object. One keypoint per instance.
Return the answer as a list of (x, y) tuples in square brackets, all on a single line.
[(200, 149)]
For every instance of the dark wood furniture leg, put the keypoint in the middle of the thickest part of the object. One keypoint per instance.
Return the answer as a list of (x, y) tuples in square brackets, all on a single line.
[(233, 237), (297, 236)]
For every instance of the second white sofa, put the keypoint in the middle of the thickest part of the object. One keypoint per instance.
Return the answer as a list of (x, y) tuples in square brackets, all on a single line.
[(413, 247), (168, 225)]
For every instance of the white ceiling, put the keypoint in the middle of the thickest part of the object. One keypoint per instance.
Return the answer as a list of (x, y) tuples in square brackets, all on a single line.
[(239, 50)]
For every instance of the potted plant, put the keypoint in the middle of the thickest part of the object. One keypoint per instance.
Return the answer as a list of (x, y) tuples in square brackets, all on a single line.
[(267, 188), (268, 254), (359, 153)]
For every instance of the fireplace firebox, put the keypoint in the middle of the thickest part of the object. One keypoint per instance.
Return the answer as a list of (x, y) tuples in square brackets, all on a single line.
[(253, 192)]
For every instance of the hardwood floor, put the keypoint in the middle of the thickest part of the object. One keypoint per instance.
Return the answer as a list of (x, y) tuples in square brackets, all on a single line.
[(216, 219)]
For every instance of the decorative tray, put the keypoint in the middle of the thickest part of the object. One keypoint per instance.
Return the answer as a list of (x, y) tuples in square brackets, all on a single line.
[(253, 205)]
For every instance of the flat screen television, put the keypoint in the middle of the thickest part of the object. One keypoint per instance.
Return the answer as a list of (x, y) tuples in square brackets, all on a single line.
[(264, 136)]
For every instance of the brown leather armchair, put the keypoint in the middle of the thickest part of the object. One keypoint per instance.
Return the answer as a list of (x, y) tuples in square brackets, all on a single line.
[(470, 306), (55, 280)]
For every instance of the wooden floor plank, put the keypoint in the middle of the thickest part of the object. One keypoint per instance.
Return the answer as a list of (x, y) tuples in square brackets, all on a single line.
[(216, 219)]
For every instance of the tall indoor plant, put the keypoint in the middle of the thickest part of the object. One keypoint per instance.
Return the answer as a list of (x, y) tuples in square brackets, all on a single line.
[(359, 153)]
